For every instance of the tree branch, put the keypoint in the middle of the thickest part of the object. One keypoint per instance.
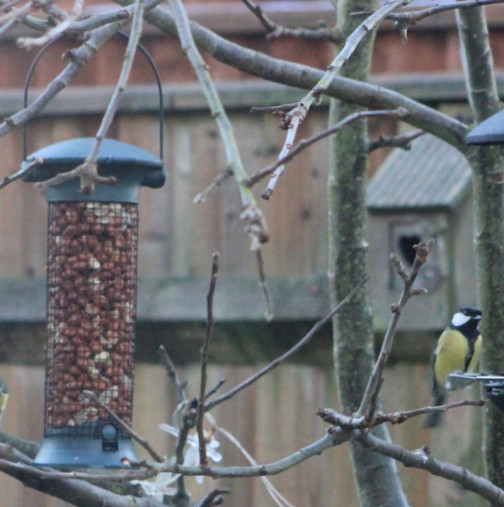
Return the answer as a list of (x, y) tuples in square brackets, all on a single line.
[(88, 170), (75, 13), (275, 31), (333, 417), (7, 180), (304, 143), (78, 59), (406, 19), (251, 215), (280, 71), (421, 458), (294, 118), (401, 141), (204, 358), (217, 182), (213, 498), (186, 423), (26, 447), (73, 490), (180, 385), (367, 406), (255, 224), (279, 360)]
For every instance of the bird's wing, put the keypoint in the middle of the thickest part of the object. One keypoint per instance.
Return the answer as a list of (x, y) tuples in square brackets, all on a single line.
[(473, 363)]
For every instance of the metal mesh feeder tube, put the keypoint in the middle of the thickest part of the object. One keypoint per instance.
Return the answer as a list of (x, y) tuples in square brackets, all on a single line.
[(91, 302)]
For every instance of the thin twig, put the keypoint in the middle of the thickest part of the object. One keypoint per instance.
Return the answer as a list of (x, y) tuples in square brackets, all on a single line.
[(88, 170), (268, 312), (367, 405), (412, 17), (15, 454), (275, 31), (47, 473), (26, 447), (97, 20), (265, 21), (401, 141), (273, 109), (180, 385), (7, 180), (187, 423), (204, 358), (255, 224), (316, 34), (79, 57), (15, 14), (335, 418), (403, 415), (7, 6), (293, 119), (74, 14), (335, 437), (214, 389), (254, 221), (279, 360), (214, 498), (144, 443), (7, 27), (304, 143), (217, 182)]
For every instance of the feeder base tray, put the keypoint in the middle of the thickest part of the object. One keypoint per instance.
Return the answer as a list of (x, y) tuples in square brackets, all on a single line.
[(58, 451)]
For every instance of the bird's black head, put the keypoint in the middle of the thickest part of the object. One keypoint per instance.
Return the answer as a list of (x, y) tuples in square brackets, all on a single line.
[(466, 315)]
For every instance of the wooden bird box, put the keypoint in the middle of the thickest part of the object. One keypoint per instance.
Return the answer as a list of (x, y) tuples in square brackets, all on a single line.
[(420, 194)]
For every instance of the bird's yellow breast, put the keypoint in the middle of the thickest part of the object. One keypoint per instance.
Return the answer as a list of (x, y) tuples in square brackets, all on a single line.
[(451, 355)]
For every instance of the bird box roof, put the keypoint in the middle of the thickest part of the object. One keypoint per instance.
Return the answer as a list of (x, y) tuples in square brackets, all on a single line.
[(433, 174)]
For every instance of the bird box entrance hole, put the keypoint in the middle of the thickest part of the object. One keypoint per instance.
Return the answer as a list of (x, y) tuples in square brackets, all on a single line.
[(406, 244)]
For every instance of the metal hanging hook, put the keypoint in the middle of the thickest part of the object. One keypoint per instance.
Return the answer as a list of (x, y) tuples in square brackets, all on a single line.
[(142, 49)]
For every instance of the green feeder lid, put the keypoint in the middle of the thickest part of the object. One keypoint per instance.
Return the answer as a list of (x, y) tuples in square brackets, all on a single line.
[(490, 131), (130, 165)]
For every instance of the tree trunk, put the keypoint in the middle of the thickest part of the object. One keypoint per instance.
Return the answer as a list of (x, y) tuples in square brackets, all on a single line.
[(376, 475), (489, 212)]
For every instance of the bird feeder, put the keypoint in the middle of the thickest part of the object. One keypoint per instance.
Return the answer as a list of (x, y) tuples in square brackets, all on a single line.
[(91, 293), (91, 301), (488, 132)]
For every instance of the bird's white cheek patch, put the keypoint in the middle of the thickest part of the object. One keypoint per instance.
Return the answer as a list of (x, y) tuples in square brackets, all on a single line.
[(459, 319)]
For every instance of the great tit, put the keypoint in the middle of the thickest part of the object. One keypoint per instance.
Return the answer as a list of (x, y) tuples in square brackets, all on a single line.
[(458, 349), (4, 395)]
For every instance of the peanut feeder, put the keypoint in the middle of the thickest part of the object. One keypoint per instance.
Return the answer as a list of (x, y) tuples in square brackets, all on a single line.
[(91, 302)]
